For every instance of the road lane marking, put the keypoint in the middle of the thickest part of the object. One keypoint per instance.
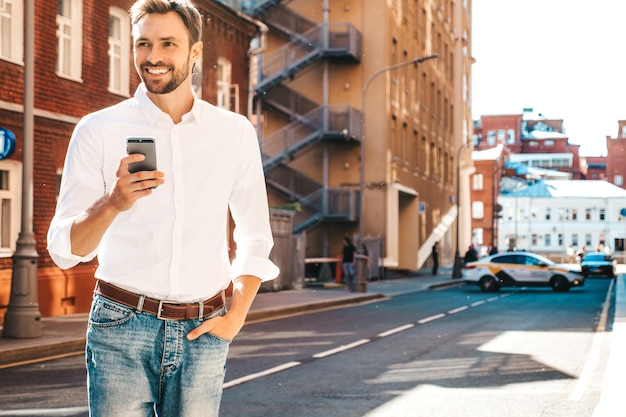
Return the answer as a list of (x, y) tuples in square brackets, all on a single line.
[(396, 330), (358, 343), (261, 374), (342, 348), (457, 310), (431, 318)]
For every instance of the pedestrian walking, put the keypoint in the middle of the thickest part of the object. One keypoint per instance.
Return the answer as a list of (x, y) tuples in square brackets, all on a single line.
[(434, 254), (348, 262), (158, 332)]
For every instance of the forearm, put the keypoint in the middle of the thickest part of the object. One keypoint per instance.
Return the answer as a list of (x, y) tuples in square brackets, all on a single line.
[(245, 289), (88, 229)]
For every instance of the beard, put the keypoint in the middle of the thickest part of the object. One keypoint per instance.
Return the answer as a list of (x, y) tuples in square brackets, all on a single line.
[(178, 76)]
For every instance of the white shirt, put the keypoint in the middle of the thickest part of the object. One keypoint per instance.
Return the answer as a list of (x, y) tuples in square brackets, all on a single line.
[(173, 244)]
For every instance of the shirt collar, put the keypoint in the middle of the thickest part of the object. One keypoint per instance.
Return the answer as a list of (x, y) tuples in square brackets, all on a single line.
[(153, 113)]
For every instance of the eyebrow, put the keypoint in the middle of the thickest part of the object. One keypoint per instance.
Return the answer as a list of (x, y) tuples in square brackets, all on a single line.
[(165, 38)]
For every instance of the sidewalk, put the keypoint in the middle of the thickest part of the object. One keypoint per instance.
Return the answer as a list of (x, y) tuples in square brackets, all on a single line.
[(65, 335)]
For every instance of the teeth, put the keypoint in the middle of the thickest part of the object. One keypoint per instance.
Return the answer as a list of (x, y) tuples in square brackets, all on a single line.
[(157, 70)]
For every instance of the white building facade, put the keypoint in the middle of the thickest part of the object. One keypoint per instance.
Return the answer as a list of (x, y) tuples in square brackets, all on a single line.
[(552, 215)]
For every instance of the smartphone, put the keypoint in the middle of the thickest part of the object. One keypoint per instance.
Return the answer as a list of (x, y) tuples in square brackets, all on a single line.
[(146, 147)]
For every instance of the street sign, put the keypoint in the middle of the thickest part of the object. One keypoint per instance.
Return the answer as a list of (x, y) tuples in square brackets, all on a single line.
[(7, 143)]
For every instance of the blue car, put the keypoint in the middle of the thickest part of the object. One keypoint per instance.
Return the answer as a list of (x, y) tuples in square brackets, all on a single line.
[(599, 264)]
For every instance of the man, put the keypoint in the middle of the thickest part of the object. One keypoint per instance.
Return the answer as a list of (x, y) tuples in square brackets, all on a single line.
[(158, 331), (434, 252), (348, 262)]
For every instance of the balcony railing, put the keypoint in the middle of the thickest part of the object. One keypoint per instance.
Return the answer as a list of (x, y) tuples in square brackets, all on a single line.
[(338, 121), (341, 40)]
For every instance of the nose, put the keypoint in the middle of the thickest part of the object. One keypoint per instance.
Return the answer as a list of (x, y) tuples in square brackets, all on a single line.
[(154, 56)]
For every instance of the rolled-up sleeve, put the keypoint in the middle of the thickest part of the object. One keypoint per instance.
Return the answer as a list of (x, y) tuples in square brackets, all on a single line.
[(80, 169), (60, 246), (249, 208)]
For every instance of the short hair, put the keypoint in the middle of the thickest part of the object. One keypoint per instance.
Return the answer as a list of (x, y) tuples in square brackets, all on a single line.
[(187, 11)]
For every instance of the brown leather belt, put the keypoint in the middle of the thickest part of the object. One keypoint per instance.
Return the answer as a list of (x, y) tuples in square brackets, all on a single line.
[(161, 309)]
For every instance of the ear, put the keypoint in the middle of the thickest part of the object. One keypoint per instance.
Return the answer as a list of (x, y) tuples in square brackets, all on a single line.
[(196, 50)]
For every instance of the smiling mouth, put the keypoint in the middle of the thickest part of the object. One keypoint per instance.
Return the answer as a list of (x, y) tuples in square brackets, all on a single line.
[(157, 71)]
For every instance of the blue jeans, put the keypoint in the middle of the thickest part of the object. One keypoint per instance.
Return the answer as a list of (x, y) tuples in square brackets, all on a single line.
[(142, 366), (348, 274)]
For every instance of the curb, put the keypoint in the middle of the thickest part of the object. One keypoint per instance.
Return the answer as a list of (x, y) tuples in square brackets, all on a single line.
[(19, 356)]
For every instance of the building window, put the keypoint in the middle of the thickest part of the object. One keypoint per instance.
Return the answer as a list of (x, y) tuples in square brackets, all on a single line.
[(574, 214), (119, 51), (10, 205), (574, 239), (510, 133), (618, 180), (533, 239), (588, 239), (11, 30), (602, 214), (69, 38), (501, 135), (548, 213), (227, 94), (478, 210), (587, 214), (560, 239), (491, 137), (547, 240), (477, 182)]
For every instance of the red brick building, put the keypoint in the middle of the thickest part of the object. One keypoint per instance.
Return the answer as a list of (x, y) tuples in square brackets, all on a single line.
[(616, 156), (526, 138), (83, 62), (484, 190)]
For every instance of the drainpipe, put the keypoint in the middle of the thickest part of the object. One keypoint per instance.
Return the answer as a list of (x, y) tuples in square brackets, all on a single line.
[(258, 53), (325, 111)]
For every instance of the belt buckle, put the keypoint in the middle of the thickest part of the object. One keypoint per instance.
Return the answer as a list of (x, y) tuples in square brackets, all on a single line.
[(160, 310)]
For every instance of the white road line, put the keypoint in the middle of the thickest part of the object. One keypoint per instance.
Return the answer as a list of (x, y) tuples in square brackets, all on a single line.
[(352, 345), (590, 364), (341, 348), (431, 318), (458, 310), (267, 372), (396, 330)]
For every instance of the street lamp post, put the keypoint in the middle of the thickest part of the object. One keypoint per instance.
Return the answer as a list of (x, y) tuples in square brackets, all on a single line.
[(458, 262), (361, 284), (22, 319)]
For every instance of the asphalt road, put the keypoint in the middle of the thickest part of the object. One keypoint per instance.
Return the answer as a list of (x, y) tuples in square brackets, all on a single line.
[(452, 352), (447, 353)]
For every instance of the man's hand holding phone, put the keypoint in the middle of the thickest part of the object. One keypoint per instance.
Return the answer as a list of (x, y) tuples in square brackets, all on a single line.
[(147, 166)]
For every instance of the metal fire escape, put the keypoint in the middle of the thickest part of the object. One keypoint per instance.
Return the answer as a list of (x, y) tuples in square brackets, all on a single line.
[(310, 122)]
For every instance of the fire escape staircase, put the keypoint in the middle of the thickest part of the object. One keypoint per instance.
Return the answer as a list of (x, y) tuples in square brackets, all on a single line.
[(307, 43)]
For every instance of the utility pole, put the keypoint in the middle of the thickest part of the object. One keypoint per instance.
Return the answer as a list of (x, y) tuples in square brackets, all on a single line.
[(22, 319), (361, 284)]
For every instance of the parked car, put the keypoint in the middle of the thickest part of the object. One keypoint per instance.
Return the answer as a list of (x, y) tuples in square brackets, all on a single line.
[(599, 263), (517, 269)]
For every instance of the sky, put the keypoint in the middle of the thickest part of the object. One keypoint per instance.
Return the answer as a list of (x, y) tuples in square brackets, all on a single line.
[(565, 59)]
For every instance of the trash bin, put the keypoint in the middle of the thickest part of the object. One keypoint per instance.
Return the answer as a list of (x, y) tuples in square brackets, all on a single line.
[(361, 280)]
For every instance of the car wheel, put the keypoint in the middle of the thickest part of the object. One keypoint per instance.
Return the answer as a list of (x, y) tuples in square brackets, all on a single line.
[(559, 283), (488, 284)]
